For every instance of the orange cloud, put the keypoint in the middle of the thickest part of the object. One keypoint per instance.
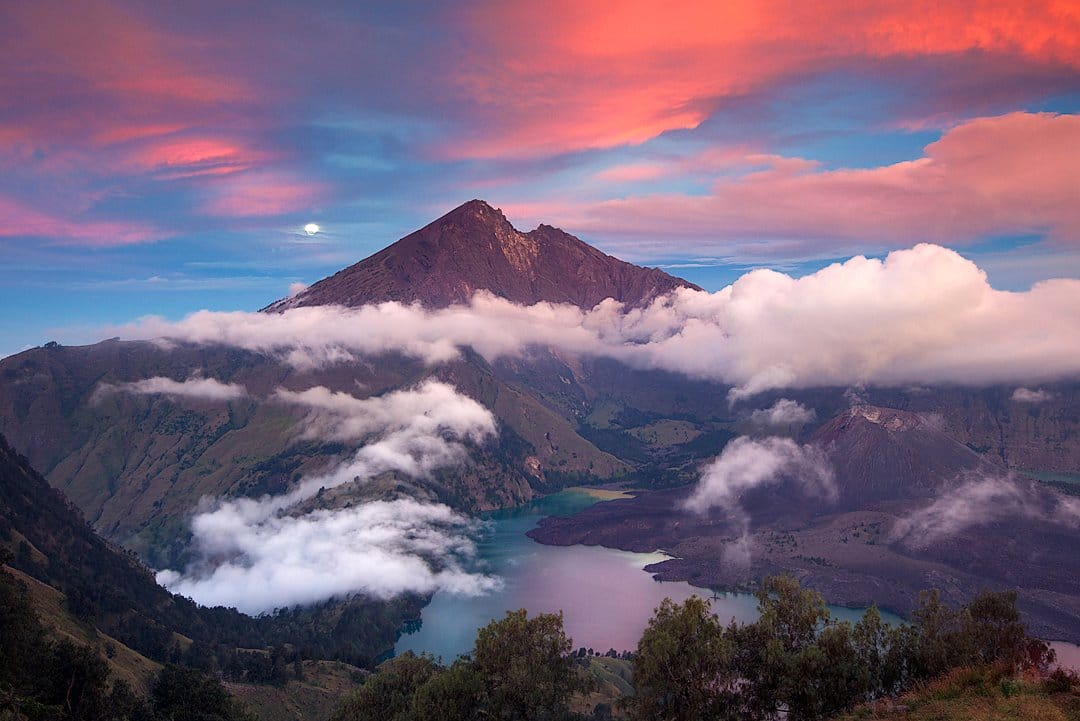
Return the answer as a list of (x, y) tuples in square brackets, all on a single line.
[(1008, 175), (567, 75)]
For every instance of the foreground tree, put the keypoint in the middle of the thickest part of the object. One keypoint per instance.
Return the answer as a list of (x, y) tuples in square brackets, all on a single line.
[(520, 669), (526, 667), (387, 695), (682, 669)]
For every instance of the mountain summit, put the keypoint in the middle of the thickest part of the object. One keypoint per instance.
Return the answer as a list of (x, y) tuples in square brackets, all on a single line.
[(474, 247)]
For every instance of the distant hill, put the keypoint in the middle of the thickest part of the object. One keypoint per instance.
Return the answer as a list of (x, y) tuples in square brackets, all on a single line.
[(981, 527), (474, 247)]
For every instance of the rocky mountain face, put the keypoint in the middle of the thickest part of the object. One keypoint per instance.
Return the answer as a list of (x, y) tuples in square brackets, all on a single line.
[(474, 247)]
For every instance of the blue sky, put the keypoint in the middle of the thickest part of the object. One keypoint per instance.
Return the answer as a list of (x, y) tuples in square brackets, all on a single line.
[(164, 159)]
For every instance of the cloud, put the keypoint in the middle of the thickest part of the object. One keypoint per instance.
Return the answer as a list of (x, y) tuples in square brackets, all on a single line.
[(296, 289), (585, 77), (980, 500), (201, 388), (418, 430), (266, 553), (1010, 175), (919, 316), (747, 463), (23, 220), (782, 413), (1026, 395), (381, 549)]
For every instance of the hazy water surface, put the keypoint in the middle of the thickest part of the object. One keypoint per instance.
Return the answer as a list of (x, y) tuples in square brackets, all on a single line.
[(605, 596)]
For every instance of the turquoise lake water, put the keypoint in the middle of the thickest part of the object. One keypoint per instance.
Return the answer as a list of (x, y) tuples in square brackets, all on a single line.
[(605, 596)]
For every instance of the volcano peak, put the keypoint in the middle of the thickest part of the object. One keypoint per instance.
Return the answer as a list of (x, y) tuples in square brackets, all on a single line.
[(474, 247)]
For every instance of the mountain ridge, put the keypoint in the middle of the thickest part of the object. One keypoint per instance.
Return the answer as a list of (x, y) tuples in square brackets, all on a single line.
[(474, 247)]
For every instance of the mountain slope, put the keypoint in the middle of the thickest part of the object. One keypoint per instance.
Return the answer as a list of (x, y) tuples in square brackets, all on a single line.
[(137, 465), (108, 589), (474, 247), (886, 454)]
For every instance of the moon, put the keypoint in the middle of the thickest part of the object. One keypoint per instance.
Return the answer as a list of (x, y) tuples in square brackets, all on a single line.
[(311, 228)]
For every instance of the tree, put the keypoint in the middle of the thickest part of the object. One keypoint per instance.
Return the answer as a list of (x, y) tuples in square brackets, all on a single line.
[(453, 695), (183, 694), (996, 633), (526, 667), (682, 668), (387, 695)]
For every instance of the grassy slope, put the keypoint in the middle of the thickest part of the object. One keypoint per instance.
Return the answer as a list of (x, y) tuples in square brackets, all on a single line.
[(976, 695), (51, 609), (313, 699), (613, 682)]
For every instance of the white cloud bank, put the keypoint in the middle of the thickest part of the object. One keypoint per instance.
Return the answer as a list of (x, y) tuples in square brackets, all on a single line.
[(922, 315), (381, 549), (200, 388), (262, 554), (748, 463), (1026, 395), (784, 412), (981, 500)]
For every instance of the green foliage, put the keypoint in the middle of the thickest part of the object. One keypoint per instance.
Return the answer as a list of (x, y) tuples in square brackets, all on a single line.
[(683, 666), (796, 663), (520, 669), (453, 695), (388, 694), (525, 663), (186, 695)]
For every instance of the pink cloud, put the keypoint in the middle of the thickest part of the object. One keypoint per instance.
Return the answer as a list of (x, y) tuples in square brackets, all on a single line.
[(593, 75), (1013, 174), (21, 220), (190, 157), (261, 194)]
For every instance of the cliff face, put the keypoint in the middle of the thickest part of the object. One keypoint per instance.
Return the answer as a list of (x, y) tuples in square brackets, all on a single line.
[(474, 247)]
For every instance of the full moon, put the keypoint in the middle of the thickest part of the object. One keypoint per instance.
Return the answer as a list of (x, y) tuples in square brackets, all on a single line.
[(311, 228)]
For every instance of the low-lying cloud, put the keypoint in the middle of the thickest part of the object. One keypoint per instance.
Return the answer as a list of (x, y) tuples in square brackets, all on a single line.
[(784, 412), (1026, 395), (201, 388), (266, 553), (980, 500), (749, 463), (382, 549), (920, 316)]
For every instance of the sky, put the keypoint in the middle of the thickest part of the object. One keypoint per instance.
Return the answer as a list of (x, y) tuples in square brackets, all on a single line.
[(161, 158)]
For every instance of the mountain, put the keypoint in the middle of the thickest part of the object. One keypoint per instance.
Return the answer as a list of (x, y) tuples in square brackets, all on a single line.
[(474, 247), (886, 454), (137, 464)]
